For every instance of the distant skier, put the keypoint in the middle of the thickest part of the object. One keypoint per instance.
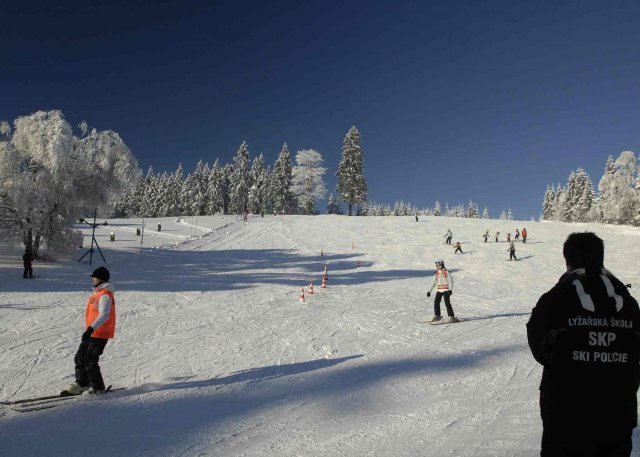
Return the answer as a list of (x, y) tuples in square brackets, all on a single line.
[(524, 235), (27, 259), (512, 251), (448, 236), (443, 279), (486, 236), (509, 237), (458, 248), (497, 236), (517, 236), (100, 324), (417, 218)]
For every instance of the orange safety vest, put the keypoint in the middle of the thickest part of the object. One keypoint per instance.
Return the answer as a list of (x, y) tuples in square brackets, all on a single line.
[(106, 330)]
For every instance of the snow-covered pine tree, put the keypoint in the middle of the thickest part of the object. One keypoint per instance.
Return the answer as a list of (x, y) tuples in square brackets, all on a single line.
[(472, 210), (164, 194), (227, 172), (307, 183), (485, 213), (398, 208), (240, 180), (334, 208), (281, 182), (198, 192), (215, 190), (584, 197), (503, 216), (571, 195), (437, 211), (174, 192), (603, 187), (618, 189), (509, 215), (258, 188), (367, 209), (559, 204), (636, 216), (548, 203), (352, 186), (267, 193), (186, 195), (148, 201)]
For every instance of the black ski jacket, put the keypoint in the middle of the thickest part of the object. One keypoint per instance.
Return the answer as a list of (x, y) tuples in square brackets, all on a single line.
[(585, 332)]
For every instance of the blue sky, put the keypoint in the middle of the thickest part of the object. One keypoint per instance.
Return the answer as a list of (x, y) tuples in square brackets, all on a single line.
[(482, 100)]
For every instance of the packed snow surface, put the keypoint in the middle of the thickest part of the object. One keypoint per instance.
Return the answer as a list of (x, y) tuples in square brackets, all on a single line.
[(220, 358)]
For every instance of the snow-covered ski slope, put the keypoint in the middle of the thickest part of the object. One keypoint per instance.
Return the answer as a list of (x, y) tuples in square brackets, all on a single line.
[(221, 359)]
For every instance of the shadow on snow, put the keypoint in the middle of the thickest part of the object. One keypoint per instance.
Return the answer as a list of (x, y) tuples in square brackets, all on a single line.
[(175, 270), (220, 404)]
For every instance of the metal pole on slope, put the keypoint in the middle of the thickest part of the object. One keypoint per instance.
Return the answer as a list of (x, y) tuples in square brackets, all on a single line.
[(93, 239), (142, 236)]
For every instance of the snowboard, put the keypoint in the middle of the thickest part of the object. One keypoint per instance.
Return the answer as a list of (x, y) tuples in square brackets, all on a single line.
[(440, 322)]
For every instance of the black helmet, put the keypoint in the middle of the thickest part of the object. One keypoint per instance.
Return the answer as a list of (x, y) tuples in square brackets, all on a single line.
[(101, 273), (440, 262)]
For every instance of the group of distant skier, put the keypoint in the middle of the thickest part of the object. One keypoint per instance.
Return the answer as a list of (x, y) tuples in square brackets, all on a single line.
[(444, 281), (448, 237), (516, 236)]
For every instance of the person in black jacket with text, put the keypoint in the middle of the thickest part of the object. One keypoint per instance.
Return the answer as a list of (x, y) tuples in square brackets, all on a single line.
[(585, 333)]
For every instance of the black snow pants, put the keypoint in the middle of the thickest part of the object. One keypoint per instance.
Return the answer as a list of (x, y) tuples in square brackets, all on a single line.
[(447, 303), (554, 445), (86, 360), (28, 271), (512, 254)]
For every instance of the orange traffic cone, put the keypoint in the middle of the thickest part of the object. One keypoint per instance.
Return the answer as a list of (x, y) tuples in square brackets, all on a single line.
[(324, 283), (302, 296), (310, 290), (325, 274)]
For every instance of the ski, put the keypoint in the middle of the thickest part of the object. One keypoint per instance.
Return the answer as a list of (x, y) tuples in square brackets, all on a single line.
[(54, 402), (29, 400), (60, 396)]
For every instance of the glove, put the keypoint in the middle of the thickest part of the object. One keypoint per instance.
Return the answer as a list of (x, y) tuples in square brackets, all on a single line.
[(450, 292), (428, 294), (87, 334)]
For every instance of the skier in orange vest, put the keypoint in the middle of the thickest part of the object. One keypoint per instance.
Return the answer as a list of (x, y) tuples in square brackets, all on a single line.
[(100, 324), (524, 235)]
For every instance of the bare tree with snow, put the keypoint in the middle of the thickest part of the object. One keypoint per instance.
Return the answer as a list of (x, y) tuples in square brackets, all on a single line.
[(50, 177), (307, 179)]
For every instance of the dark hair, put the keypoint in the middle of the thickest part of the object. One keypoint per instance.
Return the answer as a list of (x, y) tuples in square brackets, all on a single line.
[(584, 250)]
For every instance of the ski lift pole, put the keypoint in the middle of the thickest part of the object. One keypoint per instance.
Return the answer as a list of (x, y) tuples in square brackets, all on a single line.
[(93, 239), (142, 236)]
